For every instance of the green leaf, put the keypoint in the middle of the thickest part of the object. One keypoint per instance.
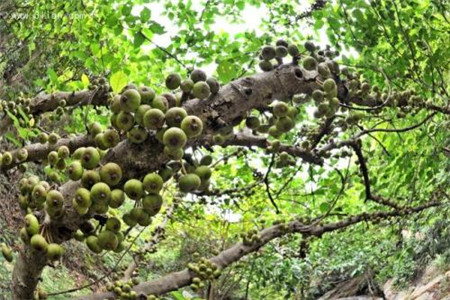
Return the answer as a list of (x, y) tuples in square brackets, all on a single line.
[(10, 136), (226, 71), (157, 28), (324, 207), (177, 295), (52, 75), (85, 80), (139, 39), (13, 117), (118, 81), (145, 15)]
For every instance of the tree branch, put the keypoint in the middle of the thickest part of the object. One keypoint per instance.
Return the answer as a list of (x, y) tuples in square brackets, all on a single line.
[(177, 280)]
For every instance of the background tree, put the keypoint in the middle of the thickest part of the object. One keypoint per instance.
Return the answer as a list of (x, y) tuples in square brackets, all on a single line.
[(293, 148)]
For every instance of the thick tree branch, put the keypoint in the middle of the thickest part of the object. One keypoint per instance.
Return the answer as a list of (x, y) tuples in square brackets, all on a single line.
[(38, 152), (49, 102)]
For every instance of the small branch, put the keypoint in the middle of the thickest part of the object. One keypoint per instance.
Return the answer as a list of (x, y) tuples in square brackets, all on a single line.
[(267, 183)]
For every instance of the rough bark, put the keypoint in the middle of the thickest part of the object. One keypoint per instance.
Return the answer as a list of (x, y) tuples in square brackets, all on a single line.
[(26, 273)]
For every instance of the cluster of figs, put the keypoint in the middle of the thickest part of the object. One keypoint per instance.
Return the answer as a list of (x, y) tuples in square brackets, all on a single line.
[(137, 114)]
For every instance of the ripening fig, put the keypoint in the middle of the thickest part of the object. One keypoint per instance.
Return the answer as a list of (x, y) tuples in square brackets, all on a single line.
[(280, 109), (63, 152), (218, 139), (54, 252), (142, 218), (252, 122), (187, 85), (124, 121), (153, 119), (152, 204), (161, 103), (317, 95), (214, 85), (52, 158), (137, 135), (7, 252), (174, 116), (130, 100), (22, 154), (111, 173), (82, 197), (206, 160), (309, 63), (54, 200), (310, 46), (173, 81), (7, 159), (24, 236), (189, 183), (92, 243), (139, 114), (281, 51), (111, 138), (90, 158), (174, 138), (293, 50), (107, 240), (114, 104), (174, 153), (53, 138), (192, 126), (42, 137), (89, 178), (100, 141), (38, 243), (94, 128), (265, 65), (39, 193), (117, 198), (201, 90), (329, 85), (152, 183), (323, 70), (198, 75), (100, 192), (31, 224), (147, 94), (77, 154), (60, 164), (273, 131), (285, 124), (113, 224), (129, 220), (268, 52), (203, 172), (134, 189)]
